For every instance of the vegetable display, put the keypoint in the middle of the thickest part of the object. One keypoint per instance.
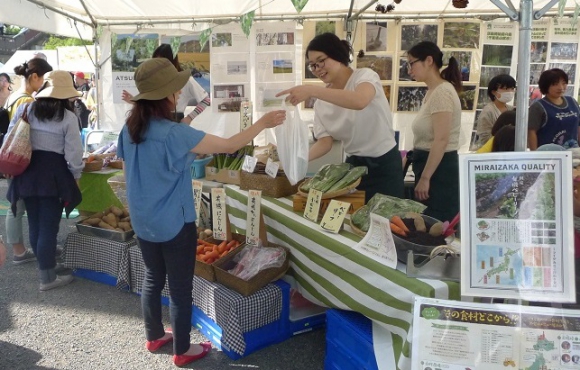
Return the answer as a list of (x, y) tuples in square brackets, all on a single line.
[(209, 252), (233, 161), (386, 206), (112, 218), (334, 177)]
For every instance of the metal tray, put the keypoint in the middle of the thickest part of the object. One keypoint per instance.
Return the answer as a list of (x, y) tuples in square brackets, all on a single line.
[(104, 233)]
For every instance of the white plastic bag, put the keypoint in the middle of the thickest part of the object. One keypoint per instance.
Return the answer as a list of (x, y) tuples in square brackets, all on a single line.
[(292, 139)]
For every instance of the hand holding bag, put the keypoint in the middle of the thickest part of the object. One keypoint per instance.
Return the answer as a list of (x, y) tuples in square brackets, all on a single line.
[(292, 139), (16, 149)]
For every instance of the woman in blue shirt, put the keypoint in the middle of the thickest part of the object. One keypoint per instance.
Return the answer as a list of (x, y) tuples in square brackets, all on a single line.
[(157, 154)]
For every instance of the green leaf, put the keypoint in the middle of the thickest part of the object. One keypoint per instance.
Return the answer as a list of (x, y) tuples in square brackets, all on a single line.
[(246, 20), (175, 43), (203, 37), (299, 4), (561, 7), (575, 16)]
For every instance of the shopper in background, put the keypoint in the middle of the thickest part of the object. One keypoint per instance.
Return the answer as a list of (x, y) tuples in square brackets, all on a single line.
[(555, 117), (353, 109), (5, 89), (32, 73), (49, 183), (157, 154), (436, 131), (507, 118), (501, 91), (192, 92)]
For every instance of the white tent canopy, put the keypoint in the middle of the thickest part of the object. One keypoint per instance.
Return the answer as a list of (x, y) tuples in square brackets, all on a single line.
[(76, 18)]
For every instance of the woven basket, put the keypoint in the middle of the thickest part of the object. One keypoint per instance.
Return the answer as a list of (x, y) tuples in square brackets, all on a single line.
[(332, 194), (356, 230), (116, 164), (95, 165)]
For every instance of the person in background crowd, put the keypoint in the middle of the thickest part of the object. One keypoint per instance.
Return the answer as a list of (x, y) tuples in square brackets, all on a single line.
[(81, 83), (157, 154), (50, 182), (191, 93), (507, 118), (32, 73), (436, 131), (555, 117), (39, 55), (504, 139), (350, 106), (5, 89), (501, 91)]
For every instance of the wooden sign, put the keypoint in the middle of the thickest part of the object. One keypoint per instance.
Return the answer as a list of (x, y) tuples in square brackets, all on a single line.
[(253, 217)]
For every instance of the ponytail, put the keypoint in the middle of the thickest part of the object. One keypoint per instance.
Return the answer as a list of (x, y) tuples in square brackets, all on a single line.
[(453, 74)]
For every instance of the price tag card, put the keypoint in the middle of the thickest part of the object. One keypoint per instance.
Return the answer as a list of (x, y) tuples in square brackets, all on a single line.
[(378, 243), (109, 137), (197, 187), (313, 205), (249, 164), (253, 217), (334, 216), (272, 168), (219, 213)]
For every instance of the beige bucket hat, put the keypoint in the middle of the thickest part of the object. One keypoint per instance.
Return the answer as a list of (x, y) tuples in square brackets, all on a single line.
[(58, 85), (157, 78)]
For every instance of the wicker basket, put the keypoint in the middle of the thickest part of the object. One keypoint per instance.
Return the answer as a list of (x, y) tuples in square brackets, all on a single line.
[(332, 194), (116, 164), (95, 165)]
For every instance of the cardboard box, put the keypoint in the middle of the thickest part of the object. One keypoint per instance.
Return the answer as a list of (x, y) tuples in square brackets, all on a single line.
[(224, 176), (275, 187), (356, 200), (206, 270), (248, 287)]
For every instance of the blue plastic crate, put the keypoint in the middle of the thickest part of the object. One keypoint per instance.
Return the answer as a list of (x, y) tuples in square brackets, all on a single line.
[(349, 341), (198, 167), (99, 277)]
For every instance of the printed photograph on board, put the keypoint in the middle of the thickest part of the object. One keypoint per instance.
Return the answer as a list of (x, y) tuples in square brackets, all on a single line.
[(282, 66), (387, 90), (383, 65), (464, 60), (275, 38), (307, 72), (467, 97), (413, 34), (497, 55), (535, 72), (236, 67), (411, 98), (564, 51), (538, 52), (219, 40), (324, 27), (487, 73), (128, 50), (482, 98), (570, 70), (461, 35), (404, 71), (228, 97), (376, 36)]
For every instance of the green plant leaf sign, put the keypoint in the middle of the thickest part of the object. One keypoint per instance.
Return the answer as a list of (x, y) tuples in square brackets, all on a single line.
[(299, 4), (203, 37), (430, 313), (246, 21)]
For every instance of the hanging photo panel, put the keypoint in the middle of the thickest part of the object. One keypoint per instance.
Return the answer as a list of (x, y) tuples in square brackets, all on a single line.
[(497, 55), (228, 97), (467, 98), (499, 33), (266, 99), (487, 73), (383, 65), (376, 36), (412, 34), (410, 98), (538, 52), (461, 35), (275, 67), (464, 60)]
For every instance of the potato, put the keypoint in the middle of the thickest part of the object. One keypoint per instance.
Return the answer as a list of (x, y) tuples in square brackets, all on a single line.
[(126, 219), (92, 221), (104, 225), (125, 213), (436, 229), (126, 226), (99, 214), (111, 219), (420, 224), (116, 211)]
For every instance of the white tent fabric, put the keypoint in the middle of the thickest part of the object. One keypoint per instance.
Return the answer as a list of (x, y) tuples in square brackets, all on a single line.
[(74, 18)]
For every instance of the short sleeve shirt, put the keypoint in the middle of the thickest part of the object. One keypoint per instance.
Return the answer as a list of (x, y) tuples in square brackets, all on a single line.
[(158, 178), (191, 94)]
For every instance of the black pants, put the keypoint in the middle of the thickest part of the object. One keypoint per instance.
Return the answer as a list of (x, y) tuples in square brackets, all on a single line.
[(443, 202), (385, 174)]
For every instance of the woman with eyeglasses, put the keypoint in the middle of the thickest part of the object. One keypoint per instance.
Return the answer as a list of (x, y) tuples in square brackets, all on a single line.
[(353, 109), (554, 119), (436, 131)]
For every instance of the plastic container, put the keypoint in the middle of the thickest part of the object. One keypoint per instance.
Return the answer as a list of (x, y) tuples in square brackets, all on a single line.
[(349, 341), (198, 167), (99, 277)]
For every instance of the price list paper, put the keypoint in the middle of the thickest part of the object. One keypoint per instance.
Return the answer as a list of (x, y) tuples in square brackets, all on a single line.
[(378, 242), (253, 217), (334, 216), (219, 213)]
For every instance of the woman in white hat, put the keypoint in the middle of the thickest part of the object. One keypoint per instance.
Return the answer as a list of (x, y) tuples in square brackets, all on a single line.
[(157, 154), (48, 184)]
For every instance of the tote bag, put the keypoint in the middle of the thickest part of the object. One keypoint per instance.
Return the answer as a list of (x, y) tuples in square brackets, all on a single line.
[(292, 139), (16, 149)]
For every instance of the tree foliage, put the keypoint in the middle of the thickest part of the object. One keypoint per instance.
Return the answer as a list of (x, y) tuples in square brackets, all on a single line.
[(56, 41)]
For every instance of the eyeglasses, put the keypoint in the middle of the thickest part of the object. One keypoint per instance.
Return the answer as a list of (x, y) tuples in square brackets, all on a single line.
[(314, 66), (410, 64)]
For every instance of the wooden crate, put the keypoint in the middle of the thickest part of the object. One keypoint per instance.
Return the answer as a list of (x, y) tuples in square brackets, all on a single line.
[(356, 200)]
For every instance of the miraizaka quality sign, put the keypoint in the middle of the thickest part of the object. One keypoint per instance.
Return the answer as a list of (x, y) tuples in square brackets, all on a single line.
[(219, 213), (516, 226)]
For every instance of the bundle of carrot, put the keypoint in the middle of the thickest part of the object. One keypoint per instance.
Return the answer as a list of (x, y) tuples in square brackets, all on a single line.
[(209, 252), (398, 226)]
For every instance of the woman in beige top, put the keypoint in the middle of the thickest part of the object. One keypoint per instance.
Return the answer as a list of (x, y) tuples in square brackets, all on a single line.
[(436, 131)]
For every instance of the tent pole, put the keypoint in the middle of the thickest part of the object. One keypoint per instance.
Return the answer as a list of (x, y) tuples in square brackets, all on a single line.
[(523, 74)]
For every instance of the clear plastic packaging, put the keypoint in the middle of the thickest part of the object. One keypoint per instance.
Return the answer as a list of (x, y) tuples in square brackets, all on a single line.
[(253, 259)]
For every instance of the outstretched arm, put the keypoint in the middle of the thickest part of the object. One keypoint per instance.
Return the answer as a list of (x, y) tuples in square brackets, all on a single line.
[(356, 99)]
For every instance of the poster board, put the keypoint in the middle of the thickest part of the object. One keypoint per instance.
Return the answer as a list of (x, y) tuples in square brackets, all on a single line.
[(455, 335), (516, 226)]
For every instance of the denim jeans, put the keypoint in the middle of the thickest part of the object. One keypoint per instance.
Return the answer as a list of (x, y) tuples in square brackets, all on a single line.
[(13, 221), (44, 215), (176, 260)]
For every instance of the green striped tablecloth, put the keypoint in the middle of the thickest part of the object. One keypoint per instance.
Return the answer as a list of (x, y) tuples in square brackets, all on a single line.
[(329, 271)]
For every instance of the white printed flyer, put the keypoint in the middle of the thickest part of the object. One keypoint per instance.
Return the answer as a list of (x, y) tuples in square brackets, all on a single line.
[(516, 226)]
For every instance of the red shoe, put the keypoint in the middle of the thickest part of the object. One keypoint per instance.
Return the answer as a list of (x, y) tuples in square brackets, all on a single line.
[(182, 360), (154, 345)]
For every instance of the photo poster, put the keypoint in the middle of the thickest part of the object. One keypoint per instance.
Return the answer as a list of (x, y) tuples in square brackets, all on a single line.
[(266, 99), (275, 67), (376, 37), (230, 68), (516, 226), (410, 98), (414, 33), (127, 53), (454, 335), (276, 36)]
